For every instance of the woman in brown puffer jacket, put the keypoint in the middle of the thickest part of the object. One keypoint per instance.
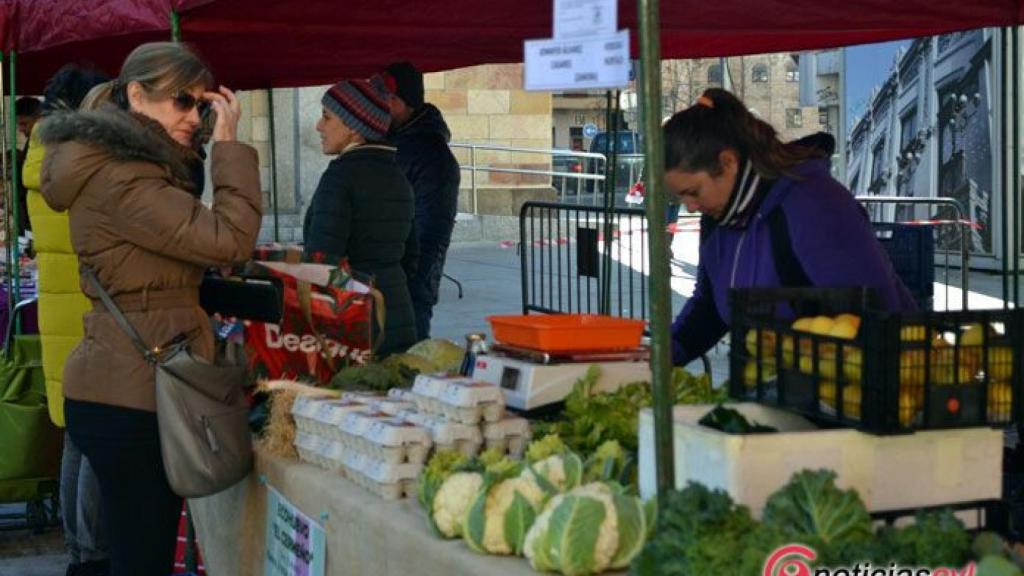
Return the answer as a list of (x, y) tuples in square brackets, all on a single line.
[(122, 173)]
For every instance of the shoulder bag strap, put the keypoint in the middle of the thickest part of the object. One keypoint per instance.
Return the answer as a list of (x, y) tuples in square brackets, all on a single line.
[(123, 322)]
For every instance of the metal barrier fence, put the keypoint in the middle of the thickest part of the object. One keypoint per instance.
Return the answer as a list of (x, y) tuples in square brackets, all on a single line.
[(959, 222), (577, 177), (564, 269)]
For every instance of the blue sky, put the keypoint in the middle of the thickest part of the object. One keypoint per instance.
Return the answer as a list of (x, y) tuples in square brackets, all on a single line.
[(867, 66)]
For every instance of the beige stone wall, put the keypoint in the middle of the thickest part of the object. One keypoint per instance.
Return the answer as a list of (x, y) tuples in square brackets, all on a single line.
[(487, 105)]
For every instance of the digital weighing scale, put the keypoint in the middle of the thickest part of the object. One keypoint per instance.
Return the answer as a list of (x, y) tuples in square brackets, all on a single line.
[(533, 379)]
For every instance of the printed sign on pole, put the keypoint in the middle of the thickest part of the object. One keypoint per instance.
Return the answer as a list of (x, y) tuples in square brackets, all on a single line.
[(577, 64)]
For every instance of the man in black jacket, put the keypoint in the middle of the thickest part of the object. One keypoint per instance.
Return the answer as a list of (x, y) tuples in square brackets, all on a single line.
[(419, 132)]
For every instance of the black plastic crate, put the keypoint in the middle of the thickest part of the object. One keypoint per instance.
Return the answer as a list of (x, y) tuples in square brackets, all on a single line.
[(876, 371), (911, 249)]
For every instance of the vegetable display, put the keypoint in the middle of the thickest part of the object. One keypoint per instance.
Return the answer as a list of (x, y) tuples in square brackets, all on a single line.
[(587, 530), (592, 418), (702, 531), (450, 483), (503, 511)]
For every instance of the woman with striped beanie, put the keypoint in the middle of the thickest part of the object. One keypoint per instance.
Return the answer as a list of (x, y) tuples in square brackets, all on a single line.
[(362, 209)]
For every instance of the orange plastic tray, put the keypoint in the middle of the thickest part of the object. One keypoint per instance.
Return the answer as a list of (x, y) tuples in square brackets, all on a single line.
[(567, 332)]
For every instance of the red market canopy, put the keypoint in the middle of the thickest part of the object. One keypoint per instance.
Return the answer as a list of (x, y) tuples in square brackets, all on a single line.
[(263, 43)]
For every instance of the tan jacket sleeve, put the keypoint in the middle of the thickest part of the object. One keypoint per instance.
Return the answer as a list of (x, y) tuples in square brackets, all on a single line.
[(151, 213)]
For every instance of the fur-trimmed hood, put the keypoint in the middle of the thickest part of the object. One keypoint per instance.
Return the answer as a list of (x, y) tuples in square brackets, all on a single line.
[(82, 143)]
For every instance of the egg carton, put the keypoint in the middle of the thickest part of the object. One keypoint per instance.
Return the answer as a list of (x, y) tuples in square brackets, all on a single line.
[(426, 391), (304, 410), (459, 398), (510, 435), (330, 414), (389, 481), (333, 455), (396, 441), (319, 451), (364, 396), (393, 404), (472, 402), (354, 426)]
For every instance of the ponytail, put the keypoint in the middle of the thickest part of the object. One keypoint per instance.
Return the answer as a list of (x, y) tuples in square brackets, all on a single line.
[(99, 95), (695, 137)]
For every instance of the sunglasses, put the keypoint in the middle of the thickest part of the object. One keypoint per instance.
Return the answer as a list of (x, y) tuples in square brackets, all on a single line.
[(185, 102)]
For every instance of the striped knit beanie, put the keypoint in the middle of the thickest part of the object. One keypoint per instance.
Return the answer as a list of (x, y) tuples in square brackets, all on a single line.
[(361, 106)]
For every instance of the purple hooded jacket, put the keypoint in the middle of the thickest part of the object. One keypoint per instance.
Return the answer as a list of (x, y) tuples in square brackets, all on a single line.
[(831, 238)]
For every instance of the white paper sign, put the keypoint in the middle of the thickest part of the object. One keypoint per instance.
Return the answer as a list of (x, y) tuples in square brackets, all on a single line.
[(295, 544), (585, 18), (577, 64)]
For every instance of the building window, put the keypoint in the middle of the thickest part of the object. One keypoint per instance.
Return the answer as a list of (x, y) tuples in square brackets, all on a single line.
[(792, 72), (715, 74), (908, 128), (877, 162), (759, 73), (823, 120), (794, 118)]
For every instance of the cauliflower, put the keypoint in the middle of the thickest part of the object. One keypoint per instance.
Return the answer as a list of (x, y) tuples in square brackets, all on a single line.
[(609, 462), (547, 446), (502, 514), (585, 531), (552, 465), (452, 501)]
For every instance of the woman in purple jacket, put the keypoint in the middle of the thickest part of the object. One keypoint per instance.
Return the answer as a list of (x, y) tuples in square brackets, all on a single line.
[(776, 215)]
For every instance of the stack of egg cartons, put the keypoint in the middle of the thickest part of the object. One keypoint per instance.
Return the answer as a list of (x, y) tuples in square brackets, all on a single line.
[(318, 438), (465, 415)]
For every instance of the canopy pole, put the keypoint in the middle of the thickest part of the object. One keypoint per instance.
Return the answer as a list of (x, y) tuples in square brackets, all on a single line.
[(1004, 165), (658, 268), (1015, 161), (7, 203), (273, 164), (13, 209), (175, 27)]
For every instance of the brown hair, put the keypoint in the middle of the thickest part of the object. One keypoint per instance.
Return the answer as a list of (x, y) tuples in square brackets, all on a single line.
[(162, 68), (695, 137)]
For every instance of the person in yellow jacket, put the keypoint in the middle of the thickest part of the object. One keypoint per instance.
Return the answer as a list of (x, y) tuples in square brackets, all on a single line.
[(61, 306)]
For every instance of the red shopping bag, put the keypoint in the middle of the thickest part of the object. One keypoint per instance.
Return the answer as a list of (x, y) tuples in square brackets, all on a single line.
[(327, 323)]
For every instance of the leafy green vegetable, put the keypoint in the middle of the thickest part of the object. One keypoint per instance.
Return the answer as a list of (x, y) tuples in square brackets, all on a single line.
[(410, 366), (444, 354), (732, 422), (935, 539), (610, 462), (592, 418), (811, 505), (989, 544), (549, 445), (371, 377), (997, 566), (698, 531)]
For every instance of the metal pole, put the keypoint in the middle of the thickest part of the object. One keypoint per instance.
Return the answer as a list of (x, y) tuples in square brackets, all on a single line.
[(1004, 168), (660, 289), (175, 27), (7, 203), (12, 132), (1015, 165), (273, 165), (605, 305), (841, 129)]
